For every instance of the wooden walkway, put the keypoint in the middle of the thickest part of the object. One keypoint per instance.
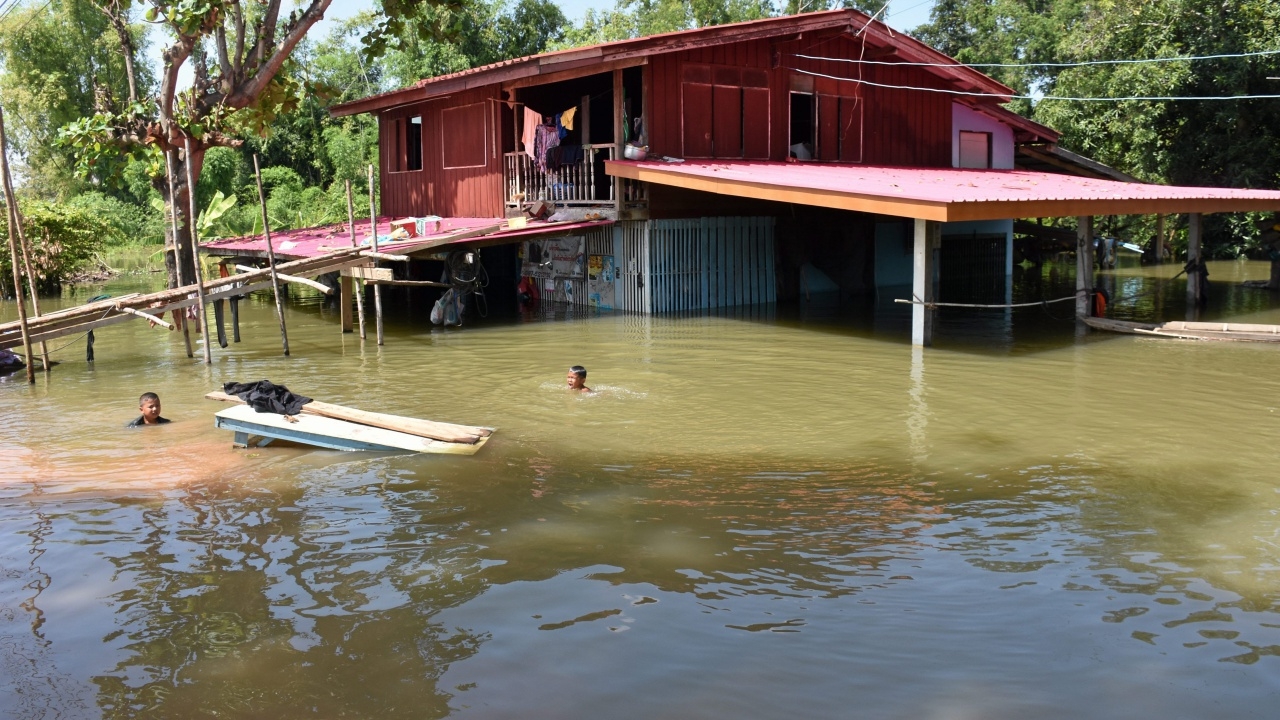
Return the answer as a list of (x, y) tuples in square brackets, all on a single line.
[(92, 316)]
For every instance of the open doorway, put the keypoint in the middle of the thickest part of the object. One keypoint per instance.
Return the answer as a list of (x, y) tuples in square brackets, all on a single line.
[(803, 125)]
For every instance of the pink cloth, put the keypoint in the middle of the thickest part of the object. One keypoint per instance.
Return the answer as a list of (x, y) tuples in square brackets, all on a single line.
[(531, 122)]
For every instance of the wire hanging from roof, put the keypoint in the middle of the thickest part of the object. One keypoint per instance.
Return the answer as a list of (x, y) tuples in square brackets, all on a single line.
[(1037, 98), (1082, 63)]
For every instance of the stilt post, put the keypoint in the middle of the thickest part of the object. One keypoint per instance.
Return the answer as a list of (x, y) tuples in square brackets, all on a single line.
[(11, 202), (1160, 238), (928, 235), (271, 256), (16, 231), (192, 217), (179, 316), (359, 286), (373, 227), (1084, 264), (1195, 233)]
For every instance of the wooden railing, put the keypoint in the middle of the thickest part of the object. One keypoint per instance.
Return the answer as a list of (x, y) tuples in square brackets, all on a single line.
[(580, 184)]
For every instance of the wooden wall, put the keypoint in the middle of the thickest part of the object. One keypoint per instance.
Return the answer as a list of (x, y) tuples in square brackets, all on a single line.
[(857, 123), (461, 175)]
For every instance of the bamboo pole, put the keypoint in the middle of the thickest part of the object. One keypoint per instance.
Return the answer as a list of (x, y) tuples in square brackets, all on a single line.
[(359, 285), (19, 236), (195, 252), (373, 227), (179, 315), (271, 256), (17, 282)]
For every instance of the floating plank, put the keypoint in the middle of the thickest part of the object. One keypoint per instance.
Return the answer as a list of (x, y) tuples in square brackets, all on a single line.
[(368, 273), (292, 278), (444, 432), (319, 431), (1232, 332)]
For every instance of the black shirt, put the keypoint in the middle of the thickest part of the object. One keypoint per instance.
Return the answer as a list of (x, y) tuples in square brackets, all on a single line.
[(140, 422)]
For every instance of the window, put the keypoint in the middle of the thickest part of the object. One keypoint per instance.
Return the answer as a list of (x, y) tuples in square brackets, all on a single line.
[(725, 112), (464, 136), (975, 150), (800, 141), (413, 144)]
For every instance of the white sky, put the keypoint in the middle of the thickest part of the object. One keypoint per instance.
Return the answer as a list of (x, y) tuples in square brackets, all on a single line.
[(900, 15)]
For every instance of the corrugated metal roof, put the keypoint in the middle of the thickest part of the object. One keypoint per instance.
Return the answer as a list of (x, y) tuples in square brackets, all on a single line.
[(310, 242), (588, 58), (944, 194)]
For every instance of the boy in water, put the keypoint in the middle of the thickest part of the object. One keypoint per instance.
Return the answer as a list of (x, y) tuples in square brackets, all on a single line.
[(577, 379), (149, 406)]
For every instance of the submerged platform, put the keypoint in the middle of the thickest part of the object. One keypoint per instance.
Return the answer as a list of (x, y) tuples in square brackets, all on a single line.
[(324, 432)]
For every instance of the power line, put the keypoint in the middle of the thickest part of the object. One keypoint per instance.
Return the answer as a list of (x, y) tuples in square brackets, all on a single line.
[(1039, 97), (1082, 63), (34, 15)]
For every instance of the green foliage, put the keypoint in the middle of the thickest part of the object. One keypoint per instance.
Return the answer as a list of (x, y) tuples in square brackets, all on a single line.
[(63, 238), (127, 223)]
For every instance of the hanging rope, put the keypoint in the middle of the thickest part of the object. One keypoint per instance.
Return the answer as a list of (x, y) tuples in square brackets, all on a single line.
[(915, 300)]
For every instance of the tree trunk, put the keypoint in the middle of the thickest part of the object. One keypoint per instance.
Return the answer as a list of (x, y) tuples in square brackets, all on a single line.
[(178, 260)]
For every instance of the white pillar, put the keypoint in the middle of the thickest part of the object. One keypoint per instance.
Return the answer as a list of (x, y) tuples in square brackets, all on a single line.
[(928, 235), (1084, 264)]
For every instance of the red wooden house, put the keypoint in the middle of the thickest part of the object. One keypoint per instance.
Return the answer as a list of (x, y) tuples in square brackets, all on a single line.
[(769, 150)]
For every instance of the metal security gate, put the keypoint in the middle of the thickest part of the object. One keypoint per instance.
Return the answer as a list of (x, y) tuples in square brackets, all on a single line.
[(680, 265)]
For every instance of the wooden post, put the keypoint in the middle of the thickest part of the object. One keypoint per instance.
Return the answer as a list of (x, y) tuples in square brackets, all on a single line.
[(271, 256), (359, 286), (618, 124), (1160, 238), (11, 201), (373, 227), (1084, 264), (585, 122), (179, 316), (195, 252), (928, 234), (344, 303), (1195, 231), (16, 229)]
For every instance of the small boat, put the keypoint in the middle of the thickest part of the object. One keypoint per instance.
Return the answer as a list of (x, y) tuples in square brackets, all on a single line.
[(341, 428), (1183, 330)]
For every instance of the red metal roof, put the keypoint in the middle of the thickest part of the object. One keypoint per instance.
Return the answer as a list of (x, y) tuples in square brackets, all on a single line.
[(944, 194), (593, 59), (309, 242)]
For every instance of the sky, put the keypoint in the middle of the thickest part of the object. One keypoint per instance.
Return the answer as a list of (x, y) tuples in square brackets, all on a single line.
[(900, 15)]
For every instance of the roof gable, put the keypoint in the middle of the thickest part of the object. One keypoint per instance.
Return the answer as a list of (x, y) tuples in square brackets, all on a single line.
[(593, 59)]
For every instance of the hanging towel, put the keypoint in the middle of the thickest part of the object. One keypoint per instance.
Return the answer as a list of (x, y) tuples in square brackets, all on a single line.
[(560, 129), (566, 118), (531, 122)]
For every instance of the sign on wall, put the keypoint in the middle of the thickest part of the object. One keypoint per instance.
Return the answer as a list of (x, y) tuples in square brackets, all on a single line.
[(556, 258), (600, 276)]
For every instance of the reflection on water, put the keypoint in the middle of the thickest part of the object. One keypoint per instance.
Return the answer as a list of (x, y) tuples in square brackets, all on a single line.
[(773, 513)]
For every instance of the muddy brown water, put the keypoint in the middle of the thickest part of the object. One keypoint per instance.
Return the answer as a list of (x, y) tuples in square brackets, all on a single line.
[(770, 513)]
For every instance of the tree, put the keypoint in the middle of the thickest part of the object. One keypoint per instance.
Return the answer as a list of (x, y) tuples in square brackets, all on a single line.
[(240, 56), (61, 64)]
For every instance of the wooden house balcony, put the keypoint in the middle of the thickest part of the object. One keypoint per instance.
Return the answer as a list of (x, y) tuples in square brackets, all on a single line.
[(582, 184)]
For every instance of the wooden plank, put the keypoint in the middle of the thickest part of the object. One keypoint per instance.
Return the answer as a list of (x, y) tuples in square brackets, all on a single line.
[(346, 321), (445, 432), (332, 433), (368, 273), (293, 279)]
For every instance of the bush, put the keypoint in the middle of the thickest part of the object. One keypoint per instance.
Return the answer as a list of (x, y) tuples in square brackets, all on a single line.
[(62, 237), (129, 224)]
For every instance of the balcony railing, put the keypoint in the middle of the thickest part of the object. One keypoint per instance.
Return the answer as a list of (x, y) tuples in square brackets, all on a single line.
[(581, 184)]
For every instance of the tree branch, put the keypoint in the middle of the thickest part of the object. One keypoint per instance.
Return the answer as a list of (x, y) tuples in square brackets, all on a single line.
[(249, 91)]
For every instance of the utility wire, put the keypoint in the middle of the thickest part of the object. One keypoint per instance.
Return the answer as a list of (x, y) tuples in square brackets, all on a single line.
[(1082, 63), (1039, 97)]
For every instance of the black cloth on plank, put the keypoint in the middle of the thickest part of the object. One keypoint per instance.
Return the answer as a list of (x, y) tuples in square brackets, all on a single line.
[(266, 396), (217, 319)]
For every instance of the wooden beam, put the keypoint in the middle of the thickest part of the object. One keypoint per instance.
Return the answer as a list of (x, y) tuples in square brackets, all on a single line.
[(368, 273), (582, 68), (147, 316), (618, 129), (294, 279), (344, 304)]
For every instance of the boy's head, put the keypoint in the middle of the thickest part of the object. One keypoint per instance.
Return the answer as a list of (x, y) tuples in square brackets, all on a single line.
[(577, 377), (149, 406)]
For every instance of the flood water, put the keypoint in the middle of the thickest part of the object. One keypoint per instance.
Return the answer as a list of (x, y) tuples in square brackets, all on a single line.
[(772, 513)]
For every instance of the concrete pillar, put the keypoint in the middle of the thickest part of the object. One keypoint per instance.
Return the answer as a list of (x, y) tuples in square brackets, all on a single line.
[(1160, 238), (928, 236), (1084, 264), (344, 303), (1195, 231)]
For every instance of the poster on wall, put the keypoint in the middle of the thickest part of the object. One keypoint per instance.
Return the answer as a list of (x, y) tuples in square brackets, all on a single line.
[(560, 257), (600, 281)]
